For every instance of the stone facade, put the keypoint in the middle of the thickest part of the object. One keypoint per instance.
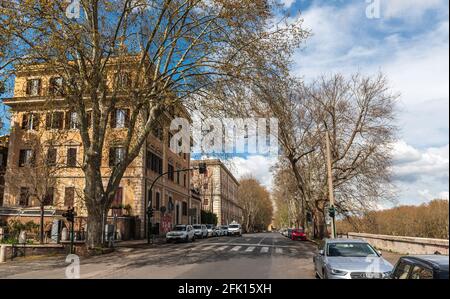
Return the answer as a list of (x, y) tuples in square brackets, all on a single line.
[(219, 191), (4, 141), (134, 191)]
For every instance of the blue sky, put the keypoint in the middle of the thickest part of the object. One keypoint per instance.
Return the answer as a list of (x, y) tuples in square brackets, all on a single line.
[(409, 42)]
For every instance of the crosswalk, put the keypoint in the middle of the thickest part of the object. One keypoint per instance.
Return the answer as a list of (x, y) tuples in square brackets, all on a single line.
[(242, 248)]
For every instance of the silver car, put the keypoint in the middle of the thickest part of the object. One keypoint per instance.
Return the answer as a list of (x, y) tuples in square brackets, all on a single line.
[(350, 259)]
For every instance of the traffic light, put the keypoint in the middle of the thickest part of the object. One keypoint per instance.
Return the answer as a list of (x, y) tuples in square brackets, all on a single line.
[(150, 212), (332, 211), (202, 169), (70, 215)]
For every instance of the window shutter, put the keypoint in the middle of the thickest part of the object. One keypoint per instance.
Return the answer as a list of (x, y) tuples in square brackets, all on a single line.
[(89, 119), (113, 118), (39, 86), (25, 121), (67, 120), (72, 157), (60, 120), (127, 118), (28, 88), (112, 157), (22, 158), (69, 197), (48, 121), (36, 120)]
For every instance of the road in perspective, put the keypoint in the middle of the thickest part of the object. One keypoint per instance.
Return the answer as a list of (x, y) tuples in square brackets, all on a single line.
[(253, 256)]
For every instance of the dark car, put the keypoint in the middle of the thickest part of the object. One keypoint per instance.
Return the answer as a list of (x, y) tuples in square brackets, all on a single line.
[(289, 233), (422, 267)]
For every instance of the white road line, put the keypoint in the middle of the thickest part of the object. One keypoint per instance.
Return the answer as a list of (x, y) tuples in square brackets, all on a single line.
[(294, 251), (236, 248), (207, 248), (265, 250), (279, 250), (250, 249), (222, 248)]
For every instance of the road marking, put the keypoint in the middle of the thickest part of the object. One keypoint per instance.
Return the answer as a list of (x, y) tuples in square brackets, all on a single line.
[(250, 249), (236, 248), (265, 250), (294, 251), (207, 248), (222, 248), (279, 250)]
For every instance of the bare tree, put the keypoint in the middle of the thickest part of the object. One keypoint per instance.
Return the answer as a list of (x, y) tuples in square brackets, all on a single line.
[(256, 204), (174, 49)]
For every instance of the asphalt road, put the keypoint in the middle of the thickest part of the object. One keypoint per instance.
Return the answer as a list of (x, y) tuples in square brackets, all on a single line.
[(256, 256)]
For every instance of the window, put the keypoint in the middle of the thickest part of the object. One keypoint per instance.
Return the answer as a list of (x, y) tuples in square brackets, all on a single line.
[(30, 121), (154, 163), (54, 120), (51, 156), (171, 173), (206, 202), (116, 156), (185, 208), (2, 160), (69, 197), (421, 273), (33, 87), (49, 196), (184, 180), (72, 121), (178, 177), (169, 140), (24, 197), (72, 157), (118, 202), (26, 158), (123, 80), (157, 131), (120, 118), (56, 86), (402, 271)]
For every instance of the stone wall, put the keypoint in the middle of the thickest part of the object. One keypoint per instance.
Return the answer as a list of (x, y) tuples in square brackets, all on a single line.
[(405, 245)]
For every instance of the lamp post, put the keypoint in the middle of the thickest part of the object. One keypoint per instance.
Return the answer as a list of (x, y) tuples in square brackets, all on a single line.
[(330, 188)]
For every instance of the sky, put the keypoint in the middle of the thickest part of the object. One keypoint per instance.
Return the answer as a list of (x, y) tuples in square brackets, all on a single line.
[(408, 40)]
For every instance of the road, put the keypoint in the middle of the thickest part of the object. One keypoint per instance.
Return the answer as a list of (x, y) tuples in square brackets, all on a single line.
[(253, 256)]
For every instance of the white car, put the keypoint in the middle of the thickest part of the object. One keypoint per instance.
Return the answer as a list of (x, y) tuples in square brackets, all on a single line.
[(235, 229), (223, 230), (212, 231), (183, 233), (200, 231)]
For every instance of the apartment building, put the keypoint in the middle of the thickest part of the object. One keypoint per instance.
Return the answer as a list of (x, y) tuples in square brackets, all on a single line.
[(219, 191), (4, 140), (42, 124)]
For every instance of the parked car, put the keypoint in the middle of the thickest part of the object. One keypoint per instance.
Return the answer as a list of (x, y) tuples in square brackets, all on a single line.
[(223, 230), (350, 259), (181, 233), (212, 231), (200, 231), (422, 267), (235, 229), (289, 233), (298, 234), (284, 232)]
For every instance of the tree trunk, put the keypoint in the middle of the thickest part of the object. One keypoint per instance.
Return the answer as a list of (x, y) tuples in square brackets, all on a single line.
[(95, 200), (322, 231)]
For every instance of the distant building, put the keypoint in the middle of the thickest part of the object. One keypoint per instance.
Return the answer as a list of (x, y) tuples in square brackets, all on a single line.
[(219, 191)]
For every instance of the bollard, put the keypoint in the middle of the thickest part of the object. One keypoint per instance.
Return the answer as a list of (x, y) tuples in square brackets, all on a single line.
[(3, 254)]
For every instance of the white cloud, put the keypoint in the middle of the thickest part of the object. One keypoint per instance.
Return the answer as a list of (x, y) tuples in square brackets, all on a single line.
[(257, 166), (287, 3), (409, 9)]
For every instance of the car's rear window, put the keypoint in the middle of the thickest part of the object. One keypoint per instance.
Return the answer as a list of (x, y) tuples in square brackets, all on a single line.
[(180, 228), (197, 227), (234, 226)]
